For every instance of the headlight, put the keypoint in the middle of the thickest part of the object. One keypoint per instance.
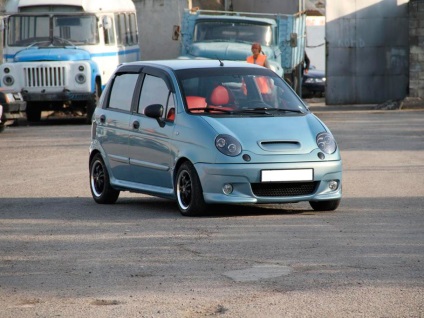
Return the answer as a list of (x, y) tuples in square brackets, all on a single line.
[(326, 142), (8, 80), (312, 80), (228, 145), (80, 78)]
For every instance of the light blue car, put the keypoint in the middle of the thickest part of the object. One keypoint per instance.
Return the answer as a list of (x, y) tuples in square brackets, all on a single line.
[(203, 132)]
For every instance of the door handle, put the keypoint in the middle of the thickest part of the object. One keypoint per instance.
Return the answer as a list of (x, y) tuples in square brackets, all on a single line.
[(102, 119), (136, 124)]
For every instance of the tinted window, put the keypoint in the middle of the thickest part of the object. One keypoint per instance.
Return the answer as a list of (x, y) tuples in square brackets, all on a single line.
[(154, 91), (122, 91)]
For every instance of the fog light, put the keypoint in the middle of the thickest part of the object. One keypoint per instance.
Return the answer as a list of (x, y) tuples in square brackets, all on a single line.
[(227, 188), (333, 185)]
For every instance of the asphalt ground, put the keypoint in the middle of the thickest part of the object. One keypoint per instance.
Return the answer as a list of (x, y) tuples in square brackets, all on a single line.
[(409, 103)]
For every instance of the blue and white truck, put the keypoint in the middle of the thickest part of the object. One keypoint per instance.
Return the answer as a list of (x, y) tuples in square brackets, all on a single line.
[(59, 54)]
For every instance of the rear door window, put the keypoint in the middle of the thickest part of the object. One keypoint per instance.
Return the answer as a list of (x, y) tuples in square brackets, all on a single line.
[(122, 91)]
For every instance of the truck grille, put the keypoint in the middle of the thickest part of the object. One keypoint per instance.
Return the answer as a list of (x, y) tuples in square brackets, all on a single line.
[(283, 189), (44, 76)]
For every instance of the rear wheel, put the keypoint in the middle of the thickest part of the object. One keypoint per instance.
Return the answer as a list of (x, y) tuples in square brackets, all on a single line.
[(100, 187), (189, 191), (2, 125), (329, 205)]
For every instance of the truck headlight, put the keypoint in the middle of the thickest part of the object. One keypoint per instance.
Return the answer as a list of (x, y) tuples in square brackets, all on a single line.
[(8, 80), (80, 78)]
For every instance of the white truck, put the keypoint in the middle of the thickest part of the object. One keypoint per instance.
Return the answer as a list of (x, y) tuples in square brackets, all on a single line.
[(59, 54)]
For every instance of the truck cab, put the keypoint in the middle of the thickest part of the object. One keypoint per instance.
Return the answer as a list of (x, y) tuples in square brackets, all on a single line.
[(227, 35)]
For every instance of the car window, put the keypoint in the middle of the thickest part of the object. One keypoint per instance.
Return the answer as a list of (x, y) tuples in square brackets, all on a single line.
[(122, 91), (238, 92), (154, 91)]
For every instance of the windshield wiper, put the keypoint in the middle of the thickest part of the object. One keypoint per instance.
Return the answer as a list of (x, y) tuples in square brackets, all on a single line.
[(209, 109), (286, 110), (268, 110)]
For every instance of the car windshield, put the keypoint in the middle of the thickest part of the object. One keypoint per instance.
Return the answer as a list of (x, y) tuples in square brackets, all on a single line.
[(238, 92), (232, 31), (54, 30)]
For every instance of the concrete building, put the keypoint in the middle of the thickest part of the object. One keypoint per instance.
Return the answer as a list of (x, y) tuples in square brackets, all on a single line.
[(416, 55)]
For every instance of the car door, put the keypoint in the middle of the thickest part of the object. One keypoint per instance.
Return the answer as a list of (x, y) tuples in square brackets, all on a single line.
[(151, 151), (114, 123)]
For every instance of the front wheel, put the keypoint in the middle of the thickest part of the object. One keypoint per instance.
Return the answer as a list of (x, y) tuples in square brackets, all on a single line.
[(100, 187), (329, 205), (33, 111), (189, 191), (92, 104)]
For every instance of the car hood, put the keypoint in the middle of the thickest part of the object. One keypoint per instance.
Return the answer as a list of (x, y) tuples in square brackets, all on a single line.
[(51, 54), (222, 50), (263, 135), (315, 73)]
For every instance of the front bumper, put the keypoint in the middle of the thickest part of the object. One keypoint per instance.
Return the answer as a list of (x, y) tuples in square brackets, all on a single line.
[(244, 177), (62, 96)]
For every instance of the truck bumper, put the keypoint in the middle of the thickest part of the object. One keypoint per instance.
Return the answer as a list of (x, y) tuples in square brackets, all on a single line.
[(58, 97)]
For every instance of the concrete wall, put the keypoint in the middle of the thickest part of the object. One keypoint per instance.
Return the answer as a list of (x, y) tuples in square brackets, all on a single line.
[(416, 56), (156, 20), (315, 41), (269, 6), (367, 51)]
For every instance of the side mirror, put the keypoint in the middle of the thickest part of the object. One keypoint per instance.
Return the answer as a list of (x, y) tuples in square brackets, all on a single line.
[(176, 32), (155, 111), (107, 22)]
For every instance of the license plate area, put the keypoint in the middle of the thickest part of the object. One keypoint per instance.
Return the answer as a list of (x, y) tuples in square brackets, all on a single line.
[(287, 175)]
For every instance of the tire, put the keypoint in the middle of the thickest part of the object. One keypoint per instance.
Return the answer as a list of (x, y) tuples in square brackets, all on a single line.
[(33, 112), (2, 126), (189, 191), (100, 187), (91, 105), (329, 205)]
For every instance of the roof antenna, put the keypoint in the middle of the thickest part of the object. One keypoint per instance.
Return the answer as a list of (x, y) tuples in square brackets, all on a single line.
[(220, 62)]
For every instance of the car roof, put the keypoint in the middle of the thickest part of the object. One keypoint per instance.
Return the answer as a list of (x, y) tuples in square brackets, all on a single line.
[(180, 64)]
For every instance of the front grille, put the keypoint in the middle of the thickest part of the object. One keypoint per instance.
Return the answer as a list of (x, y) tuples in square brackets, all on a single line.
[(45, 76), (283, 189)]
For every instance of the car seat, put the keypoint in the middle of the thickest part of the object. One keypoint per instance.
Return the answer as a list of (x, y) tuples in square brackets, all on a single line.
[(220, 96)]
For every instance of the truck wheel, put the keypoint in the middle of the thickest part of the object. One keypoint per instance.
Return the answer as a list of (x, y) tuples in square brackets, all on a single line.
[(33, 112), (91, 105)]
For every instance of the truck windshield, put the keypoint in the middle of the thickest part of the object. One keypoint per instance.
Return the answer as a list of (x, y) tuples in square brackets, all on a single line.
[(231, 31), (54, 30)]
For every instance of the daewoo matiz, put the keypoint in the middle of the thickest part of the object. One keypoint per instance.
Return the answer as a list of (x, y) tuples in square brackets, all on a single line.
[(207, 132)]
